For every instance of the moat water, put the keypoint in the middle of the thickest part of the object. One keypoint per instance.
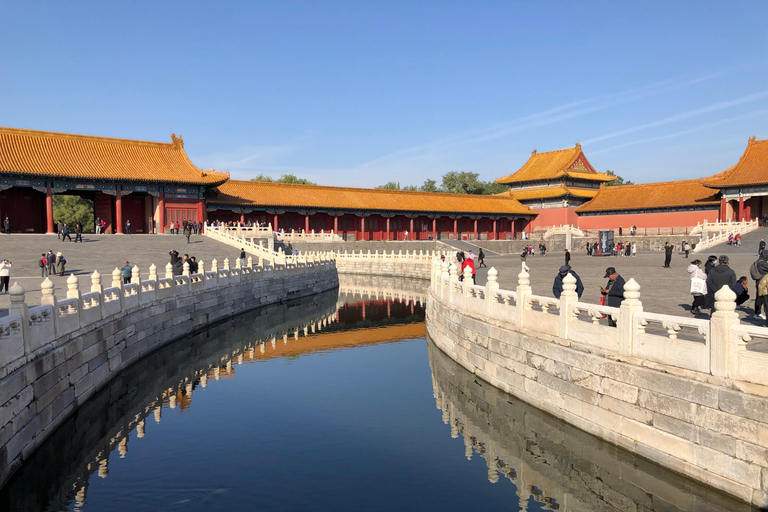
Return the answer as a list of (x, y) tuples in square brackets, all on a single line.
[(339, 402)]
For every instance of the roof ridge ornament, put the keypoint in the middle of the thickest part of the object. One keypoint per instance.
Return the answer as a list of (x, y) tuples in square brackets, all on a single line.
[(752, 140), (578, 145), (178, 142), (533, 153)]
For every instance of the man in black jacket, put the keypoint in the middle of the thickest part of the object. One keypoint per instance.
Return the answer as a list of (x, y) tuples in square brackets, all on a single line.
[(719, 276), (667, 254), (557, 286), (614, 291), (756, 272)]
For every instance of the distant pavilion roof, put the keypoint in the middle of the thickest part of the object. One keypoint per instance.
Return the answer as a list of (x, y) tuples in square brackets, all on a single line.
[(33, 153), (524, 194), (751, 169), (648, 196), (263, 194), (551, 165)]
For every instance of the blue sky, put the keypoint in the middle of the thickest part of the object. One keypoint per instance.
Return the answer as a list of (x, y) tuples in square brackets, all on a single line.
[(361, 93)]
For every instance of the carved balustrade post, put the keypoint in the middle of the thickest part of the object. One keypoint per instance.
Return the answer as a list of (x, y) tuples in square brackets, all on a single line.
[(19, 307), (626, 324), (153, 272), (168, 270), (523, 292), (567, 299), (722, 320)]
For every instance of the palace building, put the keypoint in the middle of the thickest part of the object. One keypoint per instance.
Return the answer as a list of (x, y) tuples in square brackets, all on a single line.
[(555, 184), (369, 214), (148, 183), (154, 184)]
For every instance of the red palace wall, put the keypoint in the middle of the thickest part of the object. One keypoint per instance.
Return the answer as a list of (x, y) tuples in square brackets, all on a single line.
[(549, 217), (25, 208), (647, 220)]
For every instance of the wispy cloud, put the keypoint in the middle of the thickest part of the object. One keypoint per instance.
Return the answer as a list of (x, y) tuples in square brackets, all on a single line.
[(546, 117), (682, 116), (698, 128)]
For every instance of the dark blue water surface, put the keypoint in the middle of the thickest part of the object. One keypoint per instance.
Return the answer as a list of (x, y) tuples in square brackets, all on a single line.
[(364, 414)]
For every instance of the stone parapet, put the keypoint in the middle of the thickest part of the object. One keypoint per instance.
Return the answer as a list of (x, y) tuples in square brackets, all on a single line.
[(682, 392), (53, 357)]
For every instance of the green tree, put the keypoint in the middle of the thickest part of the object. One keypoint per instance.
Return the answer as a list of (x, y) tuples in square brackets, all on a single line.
[(390, 185), (72, 210), (411, 188), (462, 183), (429, 186), (618, 181), (491, 187), (284, 178)]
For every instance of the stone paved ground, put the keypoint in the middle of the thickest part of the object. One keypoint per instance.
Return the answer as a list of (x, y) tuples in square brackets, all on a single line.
[(102, 253), (662, 290)]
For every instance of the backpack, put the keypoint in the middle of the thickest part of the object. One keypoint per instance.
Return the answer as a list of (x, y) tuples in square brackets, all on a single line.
[(40, 263), (63, 260), (754, 273)]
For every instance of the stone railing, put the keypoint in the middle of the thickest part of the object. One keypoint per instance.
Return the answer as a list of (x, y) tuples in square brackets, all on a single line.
[(720, 231), (55, 355), (401, 264), (653, 384), (301, 236), (565, 229)]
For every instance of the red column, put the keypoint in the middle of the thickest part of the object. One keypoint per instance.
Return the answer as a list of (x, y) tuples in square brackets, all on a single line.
[(242, 219), (741, 209), (119, 211), (161, 214), (475, 229), (362, 228), (201, 210), (274, 225), (434, 229), (336, 225), (455, 228), (495, 233), (723, 209), (387, 228), (748, 209), (413, 236), (306, 223), (48, 210)]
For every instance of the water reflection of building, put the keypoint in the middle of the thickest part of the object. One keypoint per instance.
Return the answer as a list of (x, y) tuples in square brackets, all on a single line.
[(166, 380), (553, 463)]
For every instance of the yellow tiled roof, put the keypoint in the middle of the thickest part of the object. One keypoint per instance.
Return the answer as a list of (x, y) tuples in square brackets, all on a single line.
[(666, 194), (751, 169), (64, 155), (256, 193), (550, 192), (556, 164)]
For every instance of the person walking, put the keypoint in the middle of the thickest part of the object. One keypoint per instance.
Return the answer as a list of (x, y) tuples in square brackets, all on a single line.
[(698, 286), (43, 264), (5, 274), (78, 233), (128, 227), (468, 263), (613, 291), (7, 225), (59, 229), (481, 259), (61, 264), (51, 258), (567, 257), (127, 270), (97, 226), (187, 231), (761, 247), (667, 254), (176, 227), (242, 257), (686, 249), (634, 249), (719, 276), (557, 286), (756, 271), (523, 257), (65, 232)]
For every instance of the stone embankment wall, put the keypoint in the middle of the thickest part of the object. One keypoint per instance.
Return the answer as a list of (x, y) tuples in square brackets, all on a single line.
[(685, 393), (53, 357), (82, 446), (552, 462)]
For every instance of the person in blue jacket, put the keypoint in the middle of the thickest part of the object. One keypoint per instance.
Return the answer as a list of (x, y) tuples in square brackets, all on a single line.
[(557, 286)]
